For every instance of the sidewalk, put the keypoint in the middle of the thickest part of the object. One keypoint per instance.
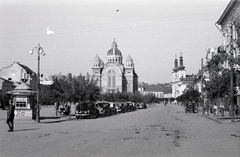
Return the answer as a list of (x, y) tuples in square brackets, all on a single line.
[(47, 115), (226, 119)]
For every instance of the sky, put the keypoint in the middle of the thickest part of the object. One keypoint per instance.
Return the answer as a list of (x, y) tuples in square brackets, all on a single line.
[(152, 32)]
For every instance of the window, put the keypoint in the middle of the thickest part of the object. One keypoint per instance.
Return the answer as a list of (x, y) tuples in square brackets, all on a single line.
[(111, 79), (21, 102)]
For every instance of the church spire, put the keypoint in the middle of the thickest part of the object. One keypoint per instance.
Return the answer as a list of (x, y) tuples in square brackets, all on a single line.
[(181, 67), (114, 44), (175, 69)]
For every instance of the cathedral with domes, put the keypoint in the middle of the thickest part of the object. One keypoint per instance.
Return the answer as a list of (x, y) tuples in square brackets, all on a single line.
[(114, 76)]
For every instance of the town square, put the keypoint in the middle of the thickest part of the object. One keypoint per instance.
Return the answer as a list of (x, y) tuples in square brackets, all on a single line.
[(120, 78)]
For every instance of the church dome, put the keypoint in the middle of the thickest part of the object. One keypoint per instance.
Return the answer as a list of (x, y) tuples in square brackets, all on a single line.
[(114, 51), (114, 55), (129, 61), (97, 59), (181, 67), (97, 62)]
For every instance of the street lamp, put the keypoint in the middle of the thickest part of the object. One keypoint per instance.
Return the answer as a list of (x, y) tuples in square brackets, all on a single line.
[(39, 51)]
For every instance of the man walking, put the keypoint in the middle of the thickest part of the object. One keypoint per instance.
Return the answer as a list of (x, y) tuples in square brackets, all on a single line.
[(10, 116)]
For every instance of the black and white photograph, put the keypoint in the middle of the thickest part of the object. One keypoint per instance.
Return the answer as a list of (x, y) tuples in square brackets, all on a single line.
[(119, 78)]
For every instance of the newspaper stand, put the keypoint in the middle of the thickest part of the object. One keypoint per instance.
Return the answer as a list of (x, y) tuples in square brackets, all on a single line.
[(23, 98)]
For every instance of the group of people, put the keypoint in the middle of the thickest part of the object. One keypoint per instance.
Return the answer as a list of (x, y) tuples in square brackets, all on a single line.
[(65, 109)]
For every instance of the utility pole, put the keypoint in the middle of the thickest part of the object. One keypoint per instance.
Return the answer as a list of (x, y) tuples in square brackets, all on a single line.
[(231, 72)]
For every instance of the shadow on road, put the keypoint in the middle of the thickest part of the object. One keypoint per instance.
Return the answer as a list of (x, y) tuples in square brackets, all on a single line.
[(53, 119), (44, 118), (26, 129)]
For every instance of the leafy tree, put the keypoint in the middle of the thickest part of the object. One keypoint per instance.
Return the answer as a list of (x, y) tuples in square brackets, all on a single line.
[(71, 88)]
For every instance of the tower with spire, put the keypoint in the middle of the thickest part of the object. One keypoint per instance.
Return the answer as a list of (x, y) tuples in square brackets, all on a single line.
[(179, 81), (181, 68)]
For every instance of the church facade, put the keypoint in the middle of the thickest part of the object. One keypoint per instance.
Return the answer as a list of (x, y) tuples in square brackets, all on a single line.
[(180, 80), (114, 76)]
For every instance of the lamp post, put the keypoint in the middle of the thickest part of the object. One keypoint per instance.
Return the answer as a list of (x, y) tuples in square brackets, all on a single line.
[(39, 51), (231, 91)]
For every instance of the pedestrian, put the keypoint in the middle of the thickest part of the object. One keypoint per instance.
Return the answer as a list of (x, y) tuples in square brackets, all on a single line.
[(10, 116), (56, 106), (237, 111)]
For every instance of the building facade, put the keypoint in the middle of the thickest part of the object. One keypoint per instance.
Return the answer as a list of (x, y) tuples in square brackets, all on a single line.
[(180, 80), (114, 76), (17, 73), (229, 26), (151, 89)]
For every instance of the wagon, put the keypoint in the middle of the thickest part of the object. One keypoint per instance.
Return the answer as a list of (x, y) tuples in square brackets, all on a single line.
[(190, 107)]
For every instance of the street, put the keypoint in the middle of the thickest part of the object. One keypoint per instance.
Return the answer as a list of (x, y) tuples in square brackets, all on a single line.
[(153, 132)]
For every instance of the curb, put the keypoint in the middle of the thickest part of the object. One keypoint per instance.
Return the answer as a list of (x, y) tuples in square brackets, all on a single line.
[(212, 119)]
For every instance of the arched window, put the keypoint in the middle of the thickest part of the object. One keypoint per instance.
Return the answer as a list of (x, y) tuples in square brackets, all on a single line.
[(111, 79)]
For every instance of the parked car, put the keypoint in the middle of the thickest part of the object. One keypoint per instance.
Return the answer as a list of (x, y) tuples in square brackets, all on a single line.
[(104, 108), (140, 105), (131, 106), (86, 109), (119, 107), (125, 107), (144, 105), (113, 108)]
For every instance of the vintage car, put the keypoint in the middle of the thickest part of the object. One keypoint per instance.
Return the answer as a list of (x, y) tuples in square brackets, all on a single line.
[(86, 109), (125, 107), (113, 108), (190, 107), (131, 106), (119, 107), (141, 105), (104, 108), (144, 105)]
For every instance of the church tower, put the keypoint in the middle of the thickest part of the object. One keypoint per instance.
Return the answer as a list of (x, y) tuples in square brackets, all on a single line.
[(97, 69), (175, 70), (181, 68), (179, 82), (130, 75)]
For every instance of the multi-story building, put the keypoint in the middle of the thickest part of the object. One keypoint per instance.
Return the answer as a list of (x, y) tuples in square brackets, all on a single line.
[(229, 23), (17, 73)]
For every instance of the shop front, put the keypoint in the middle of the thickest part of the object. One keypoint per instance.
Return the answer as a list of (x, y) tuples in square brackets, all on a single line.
[(23, 98)]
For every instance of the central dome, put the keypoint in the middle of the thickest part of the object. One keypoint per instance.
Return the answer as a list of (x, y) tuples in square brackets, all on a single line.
[(114, 54)]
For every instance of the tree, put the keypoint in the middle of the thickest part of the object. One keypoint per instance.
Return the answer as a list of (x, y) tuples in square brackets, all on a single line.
[(71, 88)]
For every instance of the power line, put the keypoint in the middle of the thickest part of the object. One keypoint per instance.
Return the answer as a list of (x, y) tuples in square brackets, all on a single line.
[(105, 29), (102, 24)]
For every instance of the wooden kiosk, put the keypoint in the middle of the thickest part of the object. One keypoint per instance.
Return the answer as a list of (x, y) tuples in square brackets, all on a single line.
[(23, 98)]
